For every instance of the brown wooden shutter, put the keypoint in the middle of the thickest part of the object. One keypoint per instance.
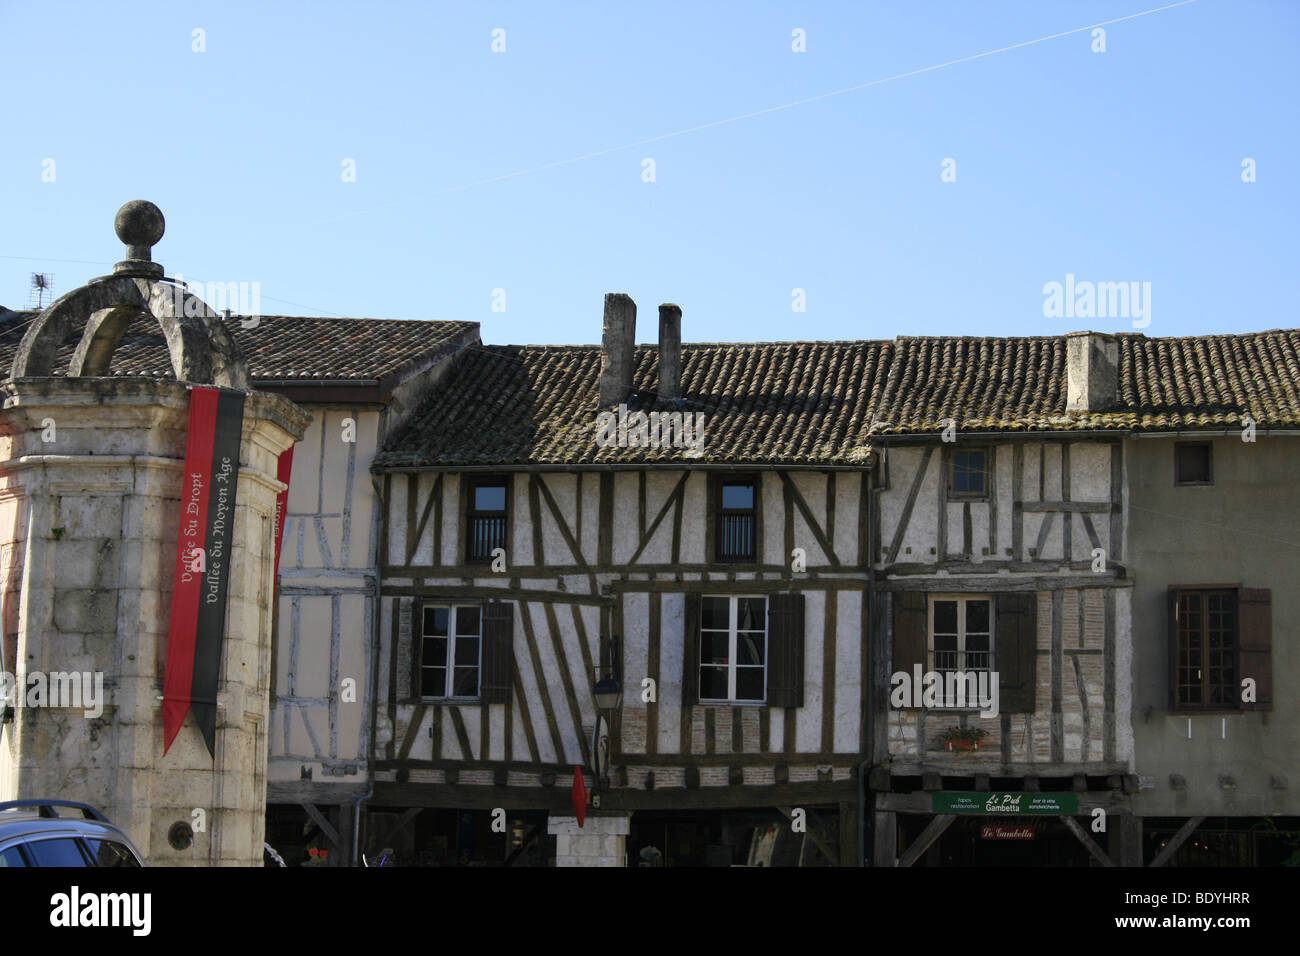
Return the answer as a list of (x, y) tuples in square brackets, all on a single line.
[(1017, 650), (785, 650), (911, 625), (1255, 615), (690, 654), (498, 652), (1171, 622), (417, 648)]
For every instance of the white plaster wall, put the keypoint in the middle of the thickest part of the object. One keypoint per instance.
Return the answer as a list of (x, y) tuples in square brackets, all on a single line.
[(453, 549), (848, 671), (533, 691), (519, 531), (636, 645), (847, 496), (773, 520), (808, 723), (813, 489), (1090, 472), (625, 516), (920, 534), (424, 543), (672, 622), (1052, 471), (590, 516), (692, 545), (1029, 472)]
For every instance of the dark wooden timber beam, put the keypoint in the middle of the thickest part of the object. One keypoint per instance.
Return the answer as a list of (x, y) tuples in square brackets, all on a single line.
[(1177, 840), (325, 826), (931, 833), (1081, 835)]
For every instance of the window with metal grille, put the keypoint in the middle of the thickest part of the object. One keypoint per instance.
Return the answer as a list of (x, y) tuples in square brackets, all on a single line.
[(485, 529), (736, 532), (961, 636)]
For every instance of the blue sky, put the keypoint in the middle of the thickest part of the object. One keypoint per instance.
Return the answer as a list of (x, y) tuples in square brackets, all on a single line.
[(474, 169)]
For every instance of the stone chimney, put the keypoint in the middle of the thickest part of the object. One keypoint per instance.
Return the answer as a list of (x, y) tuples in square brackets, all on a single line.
[(1091, 372), (670, 352), (617, 343)]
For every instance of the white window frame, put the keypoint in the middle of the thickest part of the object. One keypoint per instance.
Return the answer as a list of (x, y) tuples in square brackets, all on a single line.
[(732, 642), (932, 650), (449, 665)]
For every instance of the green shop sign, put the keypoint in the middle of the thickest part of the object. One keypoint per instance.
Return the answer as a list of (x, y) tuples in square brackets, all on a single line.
[(1008, 803)]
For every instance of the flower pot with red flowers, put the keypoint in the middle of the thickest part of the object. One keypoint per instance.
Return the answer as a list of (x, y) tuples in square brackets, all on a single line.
[(963, 738)]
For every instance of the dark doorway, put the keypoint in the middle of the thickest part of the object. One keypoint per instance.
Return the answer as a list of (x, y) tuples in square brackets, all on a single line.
[(966, 842), (440, 836), (760, 837)]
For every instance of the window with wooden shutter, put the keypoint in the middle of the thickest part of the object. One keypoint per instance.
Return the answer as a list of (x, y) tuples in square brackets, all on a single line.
[(785, 617), (909, 620), (498, 651), (961, 646), (690, 651), (1256, 645), (462, 651), (1218, 637), (733, 648), (1172, 600), (1017, 650)]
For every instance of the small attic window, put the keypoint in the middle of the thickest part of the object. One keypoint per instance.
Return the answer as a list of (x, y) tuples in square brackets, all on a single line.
[(1192, 464), (969, 475)]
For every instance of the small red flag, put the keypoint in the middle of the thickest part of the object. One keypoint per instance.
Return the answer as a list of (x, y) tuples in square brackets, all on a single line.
[(579, 796), (284, 468)]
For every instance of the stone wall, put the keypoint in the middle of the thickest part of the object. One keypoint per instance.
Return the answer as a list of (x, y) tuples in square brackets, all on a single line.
[(90, 479)]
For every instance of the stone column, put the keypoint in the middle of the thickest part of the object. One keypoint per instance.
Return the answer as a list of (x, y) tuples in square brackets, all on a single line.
[(601, 841), (90, 486)]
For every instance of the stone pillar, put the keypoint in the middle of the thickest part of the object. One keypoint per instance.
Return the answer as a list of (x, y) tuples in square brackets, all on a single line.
[(601, 841), (90, 487)]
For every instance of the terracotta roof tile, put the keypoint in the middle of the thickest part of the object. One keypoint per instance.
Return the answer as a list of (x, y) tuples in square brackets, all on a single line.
[(824, 402), (280, 347)]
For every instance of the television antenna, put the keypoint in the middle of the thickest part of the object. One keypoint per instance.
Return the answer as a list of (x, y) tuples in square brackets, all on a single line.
[(42, 283)]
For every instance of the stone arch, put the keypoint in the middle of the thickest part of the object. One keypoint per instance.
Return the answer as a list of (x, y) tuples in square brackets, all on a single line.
[(201, 348)]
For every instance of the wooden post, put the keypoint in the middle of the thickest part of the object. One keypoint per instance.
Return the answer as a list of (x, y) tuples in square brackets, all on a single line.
[(885, 838), (345, 837), (849, 824), (1130, 840)]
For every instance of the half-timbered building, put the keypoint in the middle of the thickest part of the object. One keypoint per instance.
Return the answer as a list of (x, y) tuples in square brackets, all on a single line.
[(1002, 584), (877, 594), (1101, 522), (690, 520)]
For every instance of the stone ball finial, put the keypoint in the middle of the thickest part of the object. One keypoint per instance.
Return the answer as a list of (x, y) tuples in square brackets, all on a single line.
[(140, 225)]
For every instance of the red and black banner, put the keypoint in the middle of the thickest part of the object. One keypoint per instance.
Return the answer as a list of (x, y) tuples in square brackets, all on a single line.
[(202, 571), (284, 469)]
